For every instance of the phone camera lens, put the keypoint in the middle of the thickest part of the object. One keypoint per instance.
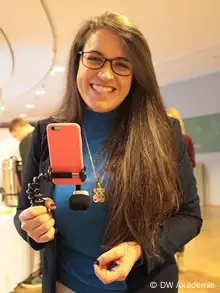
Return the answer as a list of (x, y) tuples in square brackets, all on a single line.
[(55, 128)]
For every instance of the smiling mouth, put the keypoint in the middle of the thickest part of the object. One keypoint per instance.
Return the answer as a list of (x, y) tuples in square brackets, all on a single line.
[(102, 89)]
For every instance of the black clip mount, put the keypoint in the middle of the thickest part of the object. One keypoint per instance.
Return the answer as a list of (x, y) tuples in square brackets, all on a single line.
[(79, 200)]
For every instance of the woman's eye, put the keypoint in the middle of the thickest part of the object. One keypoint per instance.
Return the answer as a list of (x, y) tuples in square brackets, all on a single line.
[(122, 65), (94, 58)]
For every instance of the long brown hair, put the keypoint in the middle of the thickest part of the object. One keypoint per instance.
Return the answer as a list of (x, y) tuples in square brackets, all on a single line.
[(142, 187)]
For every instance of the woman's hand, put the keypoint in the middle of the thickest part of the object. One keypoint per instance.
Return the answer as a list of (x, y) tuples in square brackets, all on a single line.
[(124, 256), (38, 222)]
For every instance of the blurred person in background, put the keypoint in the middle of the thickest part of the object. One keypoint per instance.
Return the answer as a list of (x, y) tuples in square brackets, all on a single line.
[(174, 113), (22, 130)]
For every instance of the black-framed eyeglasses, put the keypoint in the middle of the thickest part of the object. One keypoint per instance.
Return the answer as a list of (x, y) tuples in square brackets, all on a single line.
[(95, 60)]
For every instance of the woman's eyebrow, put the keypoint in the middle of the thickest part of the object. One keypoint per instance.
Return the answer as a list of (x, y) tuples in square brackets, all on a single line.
[(95, 51)]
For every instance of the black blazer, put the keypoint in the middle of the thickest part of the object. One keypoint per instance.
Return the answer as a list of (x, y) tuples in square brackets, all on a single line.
[(177, 231)]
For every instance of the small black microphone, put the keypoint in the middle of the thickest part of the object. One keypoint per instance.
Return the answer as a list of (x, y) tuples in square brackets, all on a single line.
[(79, 200)]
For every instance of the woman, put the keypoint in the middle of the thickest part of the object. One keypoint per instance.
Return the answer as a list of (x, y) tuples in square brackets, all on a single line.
[(174, 113), (134, 152)]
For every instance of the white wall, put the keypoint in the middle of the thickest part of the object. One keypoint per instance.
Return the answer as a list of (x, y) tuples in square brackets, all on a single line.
[(8, 147), (212, 177), (196, 97)]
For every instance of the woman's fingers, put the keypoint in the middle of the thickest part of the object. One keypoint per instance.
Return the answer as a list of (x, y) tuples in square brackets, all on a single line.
[(48, 236), (115, 264), (49, 203), (32, 212), (33, 223), (117, 273), (44, 228), (38, 222)]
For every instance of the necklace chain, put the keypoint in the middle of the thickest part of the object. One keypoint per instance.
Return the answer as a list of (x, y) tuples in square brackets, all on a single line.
[(99, 179)]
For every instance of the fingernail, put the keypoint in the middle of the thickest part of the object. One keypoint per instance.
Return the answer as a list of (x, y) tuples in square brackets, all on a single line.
[(97, 262)]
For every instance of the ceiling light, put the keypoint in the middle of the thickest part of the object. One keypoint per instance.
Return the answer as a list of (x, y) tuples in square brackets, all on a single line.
[(2, 108), (40, 92), (22, 115), (58, 69), (29, 106)]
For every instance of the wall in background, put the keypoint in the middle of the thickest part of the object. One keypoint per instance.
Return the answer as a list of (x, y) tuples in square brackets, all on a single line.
[(205, 132), (211, 183), (194, 97), (200, 98)]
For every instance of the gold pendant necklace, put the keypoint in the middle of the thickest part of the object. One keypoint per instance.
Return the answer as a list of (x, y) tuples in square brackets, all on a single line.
[(99, 191)]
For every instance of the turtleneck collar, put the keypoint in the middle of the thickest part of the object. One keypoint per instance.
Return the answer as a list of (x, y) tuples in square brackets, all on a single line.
[(98, 123)]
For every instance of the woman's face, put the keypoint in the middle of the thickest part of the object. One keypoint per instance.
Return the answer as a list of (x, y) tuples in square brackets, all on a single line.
[(102, 89)]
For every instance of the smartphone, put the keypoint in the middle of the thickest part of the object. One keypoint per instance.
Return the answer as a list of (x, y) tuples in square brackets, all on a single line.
[(65, 152)]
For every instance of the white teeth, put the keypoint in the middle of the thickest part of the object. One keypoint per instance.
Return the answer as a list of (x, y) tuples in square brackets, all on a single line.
[(102, 89)]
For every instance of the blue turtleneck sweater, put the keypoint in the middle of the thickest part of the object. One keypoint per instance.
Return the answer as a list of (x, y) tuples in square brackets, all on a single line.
[(82, 231)]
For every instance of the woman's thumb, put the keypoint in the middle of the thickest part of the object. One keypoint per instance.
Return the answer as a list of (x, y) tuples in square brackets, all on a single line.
[(49, 203)]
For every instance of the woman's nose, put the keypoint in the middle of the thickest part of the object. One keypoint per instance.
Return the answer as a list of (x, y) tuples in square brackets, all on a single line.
[(106, 73)]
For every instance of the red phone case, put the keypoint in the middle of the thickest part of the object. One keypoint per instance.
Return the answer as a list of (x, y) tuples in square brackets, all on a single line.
[(65, 150)]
